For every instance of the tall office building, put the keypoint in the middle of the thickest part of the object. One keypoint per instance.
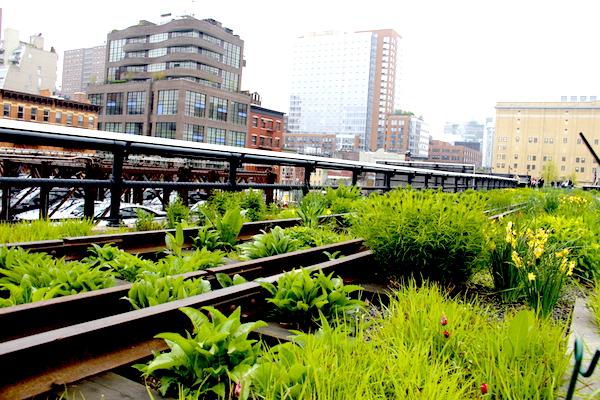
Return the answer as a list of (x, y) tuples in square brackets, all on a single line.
[(530, 135), (177, 80), (25, 66), (81, 68), (404, 132), (488, 143), (344, 84)]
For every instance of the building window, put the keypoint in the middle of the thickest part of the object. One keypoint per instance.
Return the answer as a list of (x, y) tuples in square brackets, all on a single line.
[(96, 99), (232, 54), (162, 51), (278, 126), (230, 81), (239, 113), (20, 112), (237, 139), (549, 140), (136, 102), (139, 39), (215, 136), (58, 117), (69, 119), (565, 140), (165, 129), (167, 102), (7, 110), (91, 122), (112, 74), (156, 67), (113, 127), (578, 140), (183, 49), (217, 109), (516, 156), (80, 120), (134, 128), (159, 37), (582, 169), (193, 133), (563, 168), (46, 115), (114, 103), (115, 50), (255, 122), (33, 114), (185, 34), (254, 140), (136, 54), (195, 104)]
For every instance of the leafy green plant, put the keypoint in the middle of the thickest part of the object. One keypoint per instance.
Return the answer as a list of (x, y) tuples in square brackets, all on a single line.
[(222, 231), (301, 296), (210, 360), (424, 234), (187, 262), (152, 289), (177, 212), (252, 201), (312, 206), (145, 221), (344, 199), (505, 276), (227, 281), (313, 237), (542, 268), (123, 264), (32, 277), (267, 244)]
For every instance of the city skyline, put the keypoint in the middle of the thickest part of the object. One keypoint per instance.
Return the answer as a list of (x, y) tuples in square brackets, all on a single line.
[(457, 59)]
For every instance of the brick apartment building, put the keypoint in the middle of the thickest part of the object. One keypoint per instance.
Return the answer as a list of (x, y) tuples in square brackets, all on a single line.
[(265, 129), (48, 110), (440, 151)]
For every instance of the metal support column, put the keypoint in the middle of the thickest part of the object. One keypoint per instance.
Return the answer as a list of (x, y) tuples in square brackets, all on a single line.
[(44, 191), (117, 187), (410, 178), (308, 169), (455, 184), (234, 163), (387, 179), (355, 174), (426, 181), (475, 183), (4, 213), (442, 182)]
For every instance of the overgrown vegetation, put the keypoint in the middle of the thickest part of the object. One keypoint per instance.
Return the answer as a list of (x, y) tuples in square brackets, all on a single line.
[(153, 289), (43, 230), (266, 244), (424, 235)]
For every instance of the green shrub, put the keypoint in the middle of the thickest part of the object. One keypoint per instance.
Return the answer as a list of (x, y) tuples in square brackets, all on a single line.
[(312, 206), (344, 199), (252, 201), (426, 235), (152, 289), (301, 296), (187, 262), (266, 244), (145, 221), (177, 212), (210, 361), (313, 237)]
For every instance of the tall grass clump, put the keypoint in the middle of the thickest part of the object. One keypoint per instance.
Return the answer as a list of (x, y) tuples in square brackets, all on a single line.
[(424, 346), (44, 230), (425, 234), (594, 303)]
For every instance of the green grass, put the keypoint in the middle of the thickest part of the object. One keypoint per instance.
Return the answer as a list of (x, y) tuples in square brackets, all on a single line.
[(43, 230), (405, 355), (594, 303)]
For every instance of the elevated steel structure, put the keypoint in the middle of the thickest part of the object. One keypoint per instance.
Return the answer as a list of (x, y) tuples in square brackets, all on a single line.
[(122, 145)]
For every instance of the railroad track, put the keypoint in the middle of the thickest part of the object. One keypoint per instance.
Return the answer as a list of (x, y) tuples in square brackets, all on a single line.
[(53, 343), (37, 363), (146, 242)]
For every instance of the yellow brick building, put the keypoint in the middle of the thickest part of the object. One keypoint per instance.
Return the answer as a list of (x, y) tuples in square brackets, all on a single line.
[(530, 135)]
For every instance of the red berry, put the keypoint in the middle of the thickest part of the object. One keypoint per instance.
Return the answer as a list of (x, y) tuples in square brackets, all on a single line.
[(444, 320), (484, 388), (446, 334)]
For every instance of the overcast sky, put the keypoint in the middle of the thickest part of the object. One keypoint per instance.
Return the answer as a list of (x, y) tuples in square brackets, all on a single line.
[(458, 57)]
